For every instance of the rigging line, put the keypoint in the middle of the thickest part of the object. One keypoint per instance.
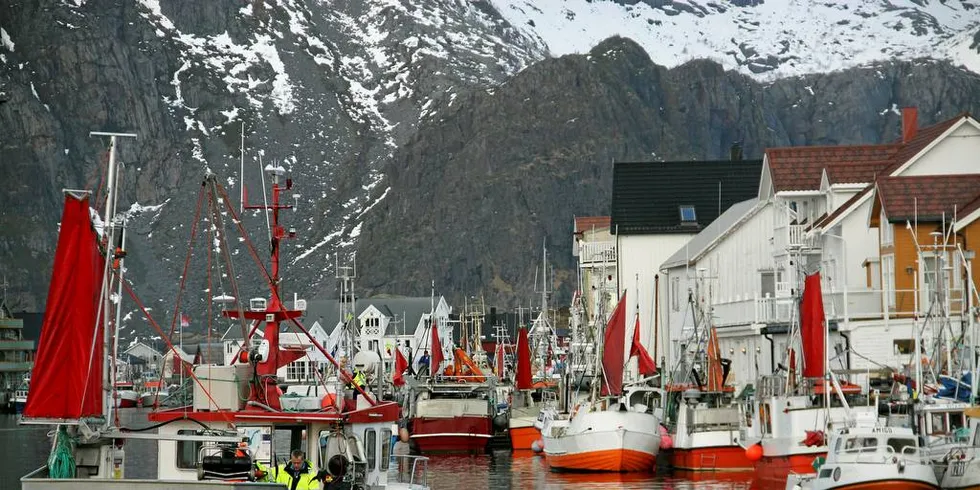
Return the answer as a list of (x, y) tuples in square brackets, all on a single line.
[(347, 378), (187, 260), (210, 265), (213, 201), (156, 326)]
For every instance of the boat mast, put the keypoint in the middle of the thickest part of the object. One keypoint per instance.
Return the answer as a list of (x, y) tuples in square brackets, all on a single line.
[(120, 255), (108, 232)]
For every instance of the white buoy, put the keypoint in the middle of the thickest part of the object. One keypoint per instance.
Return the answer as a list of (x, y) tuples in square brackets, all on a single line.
[(537, 446)]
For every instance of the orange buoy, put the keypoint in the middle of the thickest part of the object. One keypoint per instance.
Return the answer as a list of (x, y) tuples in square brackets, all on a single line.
[(754, 452), (328, 401)]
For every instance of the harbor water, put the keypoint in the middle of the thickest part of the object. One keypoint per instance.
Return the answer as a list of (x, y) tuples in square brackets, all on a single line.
[(27, 447)]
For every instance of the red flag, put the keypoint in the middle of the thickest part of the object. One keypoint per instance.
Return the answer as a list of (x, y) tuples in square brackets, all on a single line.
[(185, 321), (500, 360), (645, 363), (523, 381), (436, 350), (715, 371), (812, 328), (614, 341), (401, 364)]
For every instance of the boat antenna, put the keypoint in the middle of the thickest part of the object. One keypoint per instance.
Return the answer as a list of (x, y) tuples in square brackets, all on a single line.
[(241, 175), (265, 200)]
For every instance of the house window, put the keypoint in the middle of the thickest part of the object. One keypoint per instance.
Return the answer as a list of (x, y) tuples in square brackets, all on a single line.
[(903, 346), (888, 279), (887, 230), (675, 293), (187, 450), (688, 215), (296, 371), (768, 286)]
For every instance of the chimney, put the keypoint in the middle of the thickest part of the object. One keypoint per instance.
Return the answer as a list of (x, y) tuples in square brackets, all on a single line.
[(910, 123), (736, 152)]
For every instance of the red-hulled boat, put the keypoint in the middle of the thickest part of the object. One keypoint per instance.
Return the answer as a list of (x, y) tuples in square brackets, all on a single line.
[(452, 412)]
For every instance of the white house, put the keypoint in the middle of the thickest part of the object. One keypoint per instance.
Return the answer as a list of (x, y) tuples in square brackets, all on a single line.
[(657, 207), (813, 213)]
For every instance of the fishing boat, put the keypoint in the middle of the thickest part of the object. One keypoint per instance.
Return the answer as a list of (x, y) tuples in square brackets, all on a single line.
[(870, 457), (785, 430), (961, 465), (152, 394), (606, 432), (452, 412), (20, 395), (702, 419), (226, 438)]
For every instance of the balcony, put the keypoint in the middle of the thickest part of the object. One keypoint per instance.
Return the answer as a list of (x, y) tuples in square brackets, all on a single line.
[(16, 345), (862, 304), (794, 237), (596, 252), (15, 366)]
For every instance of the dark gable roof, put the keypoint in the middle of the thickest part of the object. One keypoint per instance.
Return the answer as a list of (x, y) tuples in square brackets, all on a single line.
[(647, 196)]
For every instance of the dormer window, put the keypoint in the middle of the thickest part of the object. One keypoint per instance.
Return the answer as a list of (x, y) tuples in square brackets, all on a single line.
[(688, 216)]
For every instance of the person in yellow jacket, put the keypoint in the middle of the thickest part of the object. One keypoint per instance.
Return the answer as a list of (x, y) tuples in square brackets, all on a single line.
[(298, 474), (262, 473)]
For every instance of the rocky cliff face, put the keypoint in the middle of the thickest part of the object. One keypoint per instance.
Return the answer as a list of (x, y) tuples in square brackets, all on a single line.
[(425, 134), (475, 193)]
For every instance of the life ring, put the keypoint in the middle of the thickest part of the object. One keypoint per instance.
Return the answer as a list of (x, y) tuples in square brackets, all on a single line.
[(460, 380)]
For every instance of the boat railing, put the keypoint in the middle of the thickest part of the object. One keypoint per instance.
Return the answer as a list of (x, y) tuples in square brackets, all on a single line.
[(408, 469)]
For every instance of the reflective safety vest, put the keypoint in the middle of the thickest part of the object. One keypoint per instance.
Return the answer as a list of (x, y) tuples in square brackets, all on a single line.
[(306, 481), (358, 380)]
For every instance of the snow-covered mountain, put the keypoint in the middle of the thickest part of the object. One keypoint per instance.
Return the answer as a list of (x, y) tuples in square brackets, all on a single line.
[(342, 93), (766, 39)]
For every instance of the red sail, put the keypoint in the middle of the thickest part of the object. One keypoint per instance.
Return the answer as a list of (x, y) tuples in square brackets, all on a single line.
[(645, 363), (812, 328), (67, 376), (500, 360), (613, 344), (436, 350), (401, 364), (523, 380)]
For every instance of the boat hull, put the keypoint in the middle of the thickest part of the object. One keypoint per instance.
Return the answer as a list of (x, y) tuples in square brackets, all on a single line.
[(126, 399), (466, 434), (773, 471), (521, 438), (630, 443), (718, 458), (964, 477)]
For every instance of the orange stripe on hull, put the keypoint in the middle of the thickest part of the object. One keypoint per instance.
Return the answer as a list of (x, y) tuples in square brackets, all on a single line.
[(620, 460), (521, 438), (719, 458)]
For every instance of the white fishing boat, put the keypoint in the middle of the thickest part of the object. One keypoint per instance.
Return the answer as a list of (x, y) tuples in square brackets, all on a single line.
[(226, 437), (870, 457), (961, 465), (613, 430)]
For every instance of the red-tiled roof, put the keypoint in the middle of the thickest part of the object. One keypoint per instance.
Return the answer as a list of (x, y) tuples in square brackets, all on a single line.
[(799, 168), (928, 196), (585, 223)]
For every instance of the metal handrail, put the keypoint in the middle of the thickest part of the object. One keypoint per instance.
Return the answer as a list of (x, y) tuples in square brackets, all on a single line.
[(419, 465)]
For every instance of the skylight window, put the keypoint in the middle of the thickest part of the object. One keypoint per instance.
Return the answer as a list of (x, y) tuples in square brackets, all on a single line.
[(688, 215)]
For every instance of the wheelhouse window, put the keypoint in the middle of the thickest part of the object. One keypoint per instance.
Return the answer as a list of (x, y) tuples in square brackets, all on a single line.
[(385, 448), (900, 445), (187, 450), (371, 448), (861, 444)]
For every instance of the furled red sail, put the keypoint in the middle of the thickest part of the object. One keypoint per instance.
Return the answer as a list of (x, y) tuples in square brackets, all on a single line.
[(500, 360), (436, 350), (812, 328), (67, 376), (523, 381), (645, 363), (613, 344)]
